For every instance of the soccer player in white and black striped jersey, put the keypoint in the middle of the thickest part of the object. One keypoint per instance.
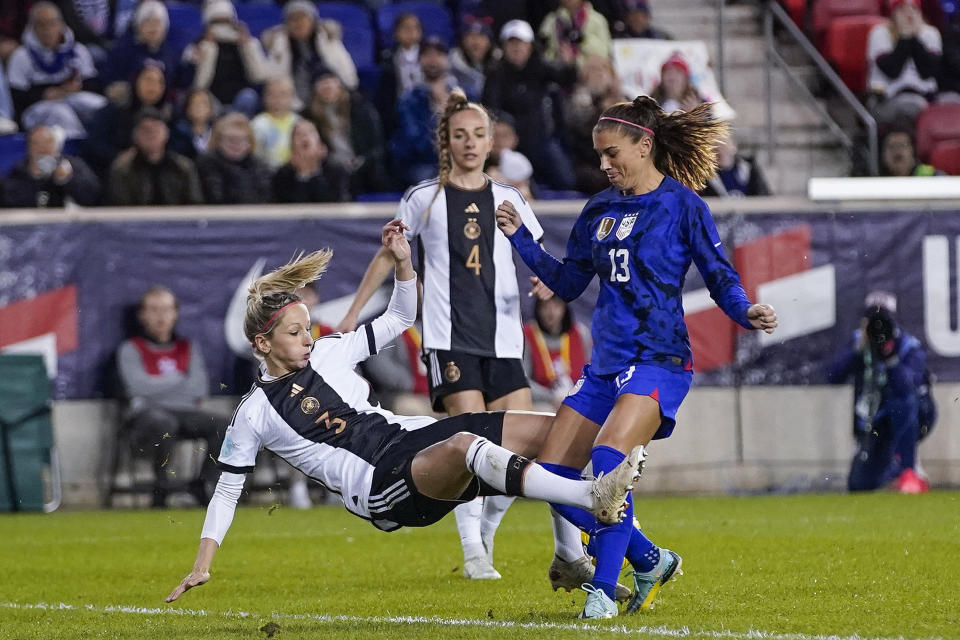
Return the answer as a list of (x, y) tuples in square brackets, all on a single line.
[(310, 407), (472, 330)]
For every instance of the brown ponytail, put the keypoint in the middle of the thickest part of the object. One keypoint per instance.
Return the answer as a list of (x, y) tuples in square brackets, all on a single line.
[(683, 141), (456, 103)]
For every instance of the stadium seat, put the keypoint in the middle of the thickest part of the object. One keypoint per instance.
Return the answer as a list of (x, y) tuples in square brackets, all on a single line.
[(436, 20), (186, 23), (796, 8), (946, 157), (13, 146), (358, 34), (259, 16), (387, 196), (826, 11), (845, 46), (937, 124)]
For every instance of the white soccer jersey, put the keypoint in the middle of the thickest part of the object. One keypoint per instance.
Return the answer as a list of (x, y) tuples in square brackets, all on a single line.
[(320, 418), (471, 301)]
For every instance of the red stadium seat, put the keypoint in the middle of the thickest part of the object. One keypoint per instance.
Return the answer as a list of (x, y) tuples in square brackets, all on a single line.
[(946, 157), (937, 124), (826, 11), (796, 9), (845, 46)]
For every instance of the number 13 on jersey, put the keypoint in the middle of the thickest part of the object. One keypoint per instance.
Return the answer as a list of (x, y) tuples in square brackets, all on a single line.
[(619, 265)]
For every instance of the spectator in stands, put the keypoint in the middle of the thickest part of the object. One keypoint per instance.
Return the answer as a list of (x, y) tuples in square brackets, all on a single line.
[(109, 132), (400, 69), (165, 381), (13, 21), (519, 84), (8, 116), (303, 44), (150, 174), (412, 145), (147, 40), (470, 61), (898, 155), (504, 133), (230, 171), (597, 88), (636, 22), (52, 76), (352, 130), (903, 56), (737, 175), (46, 177), (200, 111), (893, 408), (227, 60), (574, 31), (307, 177), (557, 348), (676, 91), (273, 127), (948, 82), (512, 168)]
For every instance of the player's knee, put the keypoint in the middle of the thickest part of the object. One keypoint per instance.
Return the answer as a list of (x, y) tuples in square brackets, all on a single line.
[(461, 441)]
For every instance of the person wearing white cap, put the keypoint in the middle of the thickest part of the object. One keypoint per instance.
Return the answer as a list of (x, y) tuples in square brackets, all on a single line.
[(228, 60), (519, 85), (147, 39), (303, 44)]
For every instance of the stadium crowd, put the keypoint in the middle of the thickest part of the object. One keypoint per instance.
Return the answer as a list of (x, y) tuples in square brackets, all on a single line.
[(141, 102)]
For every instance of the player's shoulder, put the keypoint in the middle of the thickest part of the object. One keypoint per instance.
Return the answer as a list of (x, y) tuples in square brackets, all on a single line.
[(687, 198), (420, 190), (506, 190)]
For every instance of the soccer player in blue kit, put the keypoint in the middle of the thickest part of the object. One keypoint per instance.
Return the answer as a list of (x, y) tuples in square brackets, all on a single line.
[(639, 238)]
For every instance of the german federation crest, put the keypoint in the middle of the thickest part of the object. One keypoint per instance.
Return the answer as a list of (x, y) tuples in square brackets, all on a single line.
[(606, 226), (626, 225)]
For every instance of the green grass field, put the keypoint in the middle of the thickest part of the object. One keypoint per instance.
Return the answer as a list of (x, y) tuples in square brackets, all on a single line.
[(780, 567)]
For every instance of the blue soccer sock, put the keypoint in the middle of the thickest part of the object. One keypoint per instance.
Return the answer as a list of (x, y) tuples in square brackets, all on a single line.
[(641, 552), (611, 540)]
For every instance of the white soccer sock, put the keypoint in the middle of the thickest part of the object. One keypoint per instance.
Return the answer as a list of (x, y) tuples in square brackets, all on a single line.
[(468, 525), (494, 508), (499, 467), (567, 543)]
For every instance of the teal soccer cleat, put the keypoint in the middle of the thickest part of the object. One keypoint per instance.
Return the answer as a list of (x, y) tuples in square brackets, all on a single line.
[(647, 585)]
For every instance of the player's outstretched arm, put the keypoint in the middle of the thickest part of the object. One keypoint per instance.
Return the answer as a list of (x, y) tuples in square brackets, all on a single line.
[(377, 272), (201, 569)]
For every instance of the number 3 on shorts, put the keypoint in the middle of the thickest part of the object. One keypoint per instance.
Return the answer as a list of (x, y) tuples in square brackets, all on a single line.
[(619, 272)]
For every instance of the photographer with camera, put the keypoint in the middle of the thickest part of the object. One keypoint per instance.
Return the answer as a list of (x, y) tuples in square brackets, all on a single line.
[(893, 409), (574, 32), (47, 178)]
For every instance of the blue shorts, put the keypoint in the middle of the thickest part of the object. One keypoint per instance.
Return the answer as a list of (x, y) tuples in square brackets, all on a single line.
[(594, 395)]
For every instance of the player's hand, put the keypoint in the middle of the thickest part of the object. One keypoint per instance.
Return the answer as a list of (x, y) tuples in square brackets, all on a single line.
[(762, 316), (195, 579), (508, 220), (540, 290), (393, 239)]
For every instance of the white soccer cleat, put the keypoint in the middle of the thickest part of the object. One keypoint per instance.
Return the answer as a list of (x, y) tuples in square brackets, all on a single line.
[(610, 490), (479, 568)]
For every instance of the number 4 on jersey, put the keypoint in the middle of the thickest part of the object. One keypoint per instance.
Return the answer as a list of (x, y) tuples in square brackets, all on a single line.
[(473, 260), (619, 272)]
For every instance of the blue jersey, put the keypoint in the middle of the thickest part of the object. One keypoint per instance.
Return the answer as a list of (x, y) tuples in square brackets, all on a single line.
[(641, 247)]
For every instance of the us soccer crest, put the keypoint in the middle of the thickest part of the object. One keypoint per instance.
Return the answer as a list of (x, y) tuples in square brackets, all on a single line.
[(606, 226), (452, 372), (626, 225)]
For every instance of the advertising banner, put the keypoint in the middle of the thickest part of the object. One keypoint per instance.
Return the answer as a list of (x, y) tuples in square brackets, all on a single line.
[(69, 291)]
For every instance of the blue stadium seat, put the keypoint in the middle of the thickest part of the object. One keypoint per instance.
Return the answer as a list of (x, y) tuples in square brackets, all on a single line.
[(12, 149), (435, 18), (259, 16), (358, 34), (387, 196), (186, 23), (552, 194)]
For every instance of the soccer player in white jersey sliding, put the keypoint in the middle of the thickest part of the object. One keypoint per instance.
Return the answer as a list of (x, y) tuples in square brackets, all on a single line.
[(311, 408), (472, 329)]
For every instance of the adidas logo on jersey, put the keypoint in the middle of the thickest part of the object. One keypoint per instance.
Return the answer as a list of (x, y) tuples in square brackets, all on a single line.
[(295, 389), (472, 208)]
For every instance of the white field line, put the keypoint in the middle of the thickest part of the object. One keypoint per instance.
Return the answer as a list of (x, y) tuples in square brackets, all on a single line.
[(660, 631)]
